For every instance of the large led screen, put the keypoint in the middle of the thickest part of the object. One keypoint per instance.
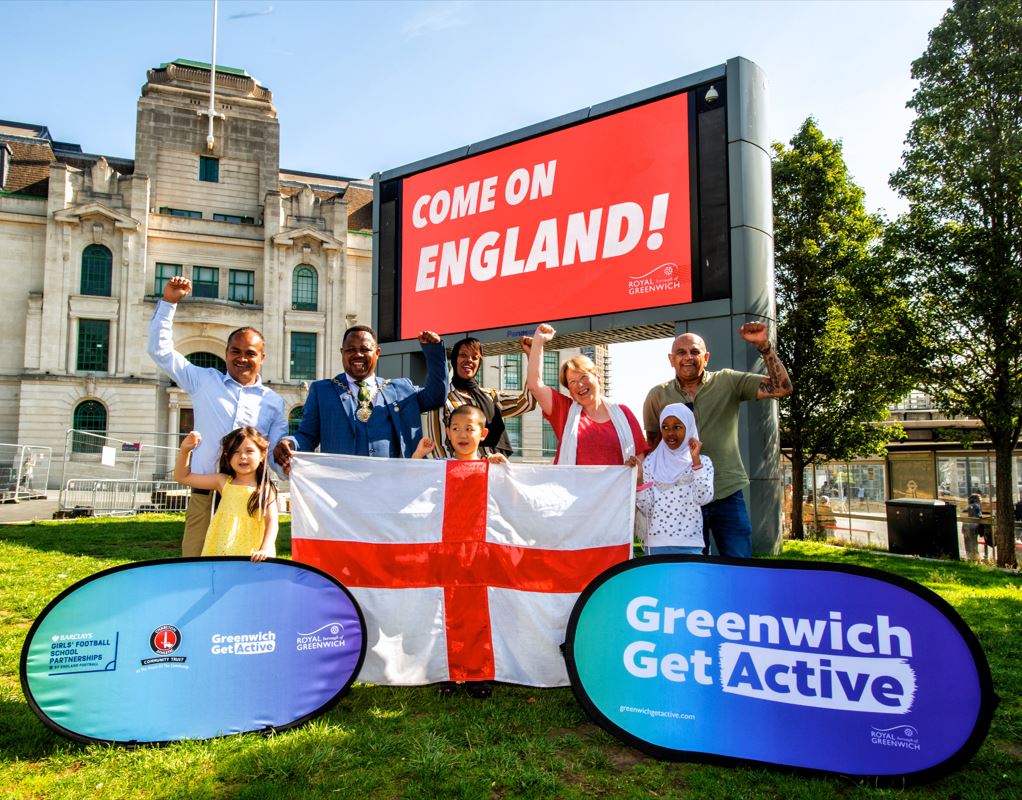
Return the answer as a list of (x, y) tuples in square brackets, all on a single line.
[(587, 220)]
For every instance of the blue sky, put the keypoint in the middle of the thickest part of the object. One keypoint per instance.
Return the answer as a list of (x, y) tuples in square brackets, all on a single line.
[(361, 86)]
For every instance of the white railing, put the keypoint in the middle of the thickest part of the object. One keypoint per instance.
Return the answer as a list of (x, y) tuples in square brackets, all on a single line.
[(24, 471), (121, 497), (121, 475)]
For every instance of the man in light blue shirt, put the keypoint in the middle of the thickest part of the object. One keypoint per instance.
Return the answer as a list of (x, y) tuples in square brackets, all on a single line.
[(220, 402)]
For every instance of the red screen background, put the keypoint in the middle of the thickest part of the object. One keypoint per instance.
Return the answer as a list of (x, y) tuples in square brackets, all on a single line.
[(623, 160)]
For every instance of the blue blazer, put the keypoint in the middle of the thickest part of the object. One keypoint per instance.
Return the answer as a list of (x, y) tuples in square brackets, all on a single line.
[(328, 419)]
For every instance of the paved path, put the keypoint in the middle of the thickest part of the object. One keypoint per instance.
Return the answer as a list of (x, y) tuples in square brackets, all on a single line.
[(29, 510)]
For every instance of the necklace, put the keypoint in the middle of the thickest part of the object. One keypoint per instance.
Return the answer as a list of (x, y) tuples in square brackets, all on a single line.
[(365, 397)]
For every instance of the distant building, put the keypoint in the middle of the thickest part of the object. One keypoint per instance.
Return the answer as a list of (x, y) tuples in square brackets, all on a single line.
[(942, 458), (87, 243)]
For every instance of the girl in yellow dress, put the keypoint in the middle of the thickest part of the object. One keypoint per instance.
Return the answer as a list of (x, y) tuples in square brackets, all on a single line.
[(245, 522)]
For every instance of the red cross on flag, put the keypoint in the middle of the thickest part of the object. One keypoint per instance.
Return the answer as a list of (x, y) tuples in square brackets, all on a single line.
[(465, 570)]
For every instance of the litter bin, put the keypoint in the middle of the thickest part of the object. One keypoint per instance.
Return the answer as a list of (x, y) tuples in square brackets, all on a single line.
[(922, 528)]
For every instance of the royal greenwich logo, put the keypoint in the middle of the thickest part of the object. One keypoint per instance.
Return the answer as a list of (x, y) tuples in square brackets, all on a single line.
[(902, 736), (663, 278), (325, 636)]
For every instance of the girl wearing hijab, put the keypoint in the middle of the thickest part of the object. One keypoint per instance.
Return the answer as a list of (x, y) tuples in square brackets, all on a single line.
[(677, 482)]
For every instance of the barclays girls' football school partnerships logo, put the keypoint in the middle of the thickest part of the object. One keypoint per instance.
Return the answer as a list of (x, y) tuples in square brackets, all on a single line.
[(787, 663), (82, 652)]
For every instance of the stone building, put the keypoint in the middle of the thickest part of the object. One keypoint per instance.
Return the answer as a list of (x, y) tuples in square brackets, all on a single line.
[(88, 241)]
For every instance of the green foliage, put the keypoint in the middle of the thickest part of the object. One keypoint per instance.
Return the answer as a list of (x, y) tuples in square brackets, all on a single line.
[(385, 742), (962, 235), (844, 328)]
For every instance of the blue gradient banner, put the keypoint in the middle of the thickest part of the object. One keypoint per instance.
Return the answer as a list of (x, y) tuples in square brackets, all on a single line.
[(191, 649), (840, 669)]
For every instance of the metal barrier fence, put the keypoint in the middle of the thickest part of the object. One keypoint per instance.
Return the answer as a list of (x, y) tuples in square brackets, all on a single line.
[(121, 475), (108, 475), (120, 497), (24, 471), (138, 456)]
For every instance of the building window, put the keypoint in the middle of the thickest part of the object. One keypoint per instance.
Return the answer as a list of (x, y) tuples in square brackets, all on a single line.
[(304, 289), (237, 218), (97, 266), (209, 169), (89, 424), (294, 419), (241, 287), (180, 212), (960, 476), (164, 272), (551, 366), (205, 281), (207, 361), (512, 372), (549, 440), (915, 400), (303, 356), (93, 345), (513, 427)]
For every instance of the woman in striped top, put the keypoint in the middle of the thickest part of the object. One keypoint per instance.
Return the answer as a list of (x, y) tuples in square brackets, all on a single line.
[(497, 404)]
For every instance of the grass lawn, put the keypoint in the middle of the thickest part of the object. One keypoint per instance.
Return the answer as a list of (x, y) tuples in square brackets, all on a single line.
[(383, 742)]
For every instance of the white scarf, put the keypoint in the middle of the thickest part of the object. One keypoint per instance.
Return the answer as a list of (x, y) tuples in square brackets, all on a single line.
[(569, 439), (665, 465)]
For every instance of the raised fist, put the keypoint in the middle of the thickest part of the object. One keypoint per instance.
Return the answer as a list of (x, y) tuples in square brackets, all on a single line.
[(177, 288)]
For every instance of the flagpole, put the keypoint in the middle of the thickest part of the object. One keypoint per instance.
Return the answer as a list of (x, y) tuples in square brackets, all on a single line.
[(212, 86)]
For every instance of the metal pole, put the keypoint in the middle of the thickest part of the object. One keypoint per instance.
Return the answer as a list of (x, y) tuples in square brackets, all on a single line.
[(134, 485), (212, 84), (17, 477), (68, 437)]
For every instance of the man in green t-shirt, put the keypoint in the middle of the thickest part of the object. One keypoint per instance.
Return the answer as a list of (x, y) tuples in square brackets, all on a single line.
[(714, 398)]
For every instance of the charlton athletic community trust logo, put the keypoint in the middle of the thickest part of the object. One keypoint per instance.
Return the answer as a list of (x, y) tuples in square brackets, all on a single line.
[(659, 279), (164, 641)]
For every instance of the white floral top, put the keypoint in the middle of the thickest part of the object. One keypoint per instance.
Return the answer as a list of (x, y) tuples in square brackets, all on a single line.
[(674, 510)]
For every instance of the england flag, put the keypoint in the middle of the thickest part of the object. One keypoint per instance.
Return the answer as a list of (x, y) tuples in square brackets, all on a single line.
[(465, 570)]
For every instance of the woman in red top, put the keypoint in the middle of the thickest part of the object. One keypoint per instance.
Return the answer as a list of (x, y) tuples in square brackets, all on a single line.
[(589, 428)]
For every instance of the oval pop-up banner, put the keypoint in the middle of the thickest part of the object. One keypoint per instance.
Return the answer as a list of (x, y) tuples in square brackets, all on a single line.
[(839, 669), (159, 651)]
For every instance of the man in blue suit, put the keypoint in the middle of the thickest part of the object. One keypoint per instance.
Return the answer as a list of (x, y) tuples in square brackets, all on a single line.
[(360, 414)]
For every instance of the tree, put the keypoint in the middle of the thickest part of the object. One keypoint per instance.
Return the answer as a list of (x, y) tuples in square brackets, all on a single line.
[(962, 176), (844, 329)]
